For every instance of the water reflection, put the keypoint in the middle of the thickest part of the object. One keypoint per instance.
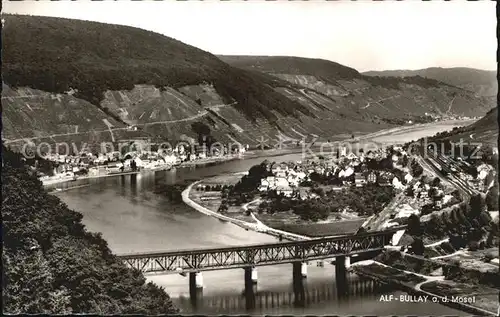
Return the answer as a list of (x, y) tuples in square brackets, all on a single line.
[(134, 217), (301, 295)]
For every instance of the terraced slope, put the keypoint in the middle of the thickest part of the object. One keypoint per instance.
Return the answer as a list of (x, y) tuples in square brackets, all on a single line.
[(482, 82), (371, 97), (92, 82)]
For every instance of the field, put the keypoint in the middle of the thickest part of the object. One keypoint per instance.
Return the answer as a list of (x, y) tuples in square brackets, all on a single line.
[(321, 229)]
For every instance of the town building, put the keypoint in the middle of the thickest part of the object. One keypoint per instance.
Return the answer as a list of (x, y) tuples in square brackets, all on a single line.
[(286, 191), (371, 178), (359, 180), (351, 156)]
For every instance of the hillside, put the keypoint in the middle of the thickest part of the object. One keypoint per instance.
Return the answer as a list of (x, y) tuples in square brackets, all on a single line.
[(482, 82), (53, 265), (485, 130), (378, 97), (92, 82)]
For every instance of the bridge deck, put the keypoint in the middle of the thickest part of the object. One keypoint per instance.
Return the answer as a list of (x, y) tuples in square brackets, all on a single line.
[(254, 255)]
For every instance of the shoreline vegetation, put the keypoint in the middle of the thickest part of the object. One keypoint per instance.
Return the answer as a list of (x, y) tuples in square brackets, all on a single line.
[(53, 265), (470, 287), (244, 217), (250, 222)]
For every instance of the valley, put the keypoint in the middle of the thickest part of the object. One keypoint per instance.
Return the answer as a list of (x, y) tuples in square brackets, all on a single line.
[(179, 161), (240, 99)]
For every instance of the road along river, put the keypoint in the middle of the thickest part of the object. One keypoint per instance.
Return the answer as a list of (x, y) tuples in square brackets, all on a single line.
[(134, 217)]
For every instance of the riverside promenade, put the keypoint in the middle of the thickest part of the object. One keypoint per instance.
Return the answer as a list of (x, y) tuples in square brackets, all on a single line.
[(257, 226)]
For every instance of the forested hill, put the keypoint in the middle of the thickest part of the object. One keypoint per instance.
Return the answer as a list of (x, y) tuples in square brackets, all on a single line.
[(53, 265), (483, 82), (485, 131), (72, 81), (56, 55)]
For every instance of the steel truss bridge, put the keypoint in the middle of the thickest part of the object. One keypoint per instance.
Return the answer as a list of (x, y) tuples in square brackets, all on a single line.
[(188, 261)]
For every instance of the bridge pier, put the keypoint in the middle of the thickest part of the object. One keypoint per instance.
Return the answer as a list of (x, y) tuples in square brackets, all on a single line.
[(299, 270), (251, 275), (250, 287), (341, 265), (195, 287), (299, 278)]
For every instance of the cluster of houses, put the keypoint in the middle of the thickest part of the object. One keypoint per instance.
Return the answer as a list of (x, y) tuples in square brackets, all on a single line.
[(109, 162), (70, 166), (286, 177)]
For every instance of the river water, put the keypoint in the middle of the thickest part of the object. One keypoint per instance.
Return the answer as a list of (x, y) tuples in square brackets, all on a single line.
[(134, 217)]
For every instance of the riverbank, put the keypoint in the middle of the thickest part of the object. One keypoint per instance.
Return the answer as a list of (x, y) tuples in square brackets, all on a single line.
[(256, 226), (189, 164), (69, 188), (281, 225), (65, 180), (476, 299)]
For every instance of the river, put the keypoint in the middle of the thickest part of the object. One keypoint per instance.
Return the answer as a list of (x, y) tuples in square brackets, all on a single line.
[(133, 217)]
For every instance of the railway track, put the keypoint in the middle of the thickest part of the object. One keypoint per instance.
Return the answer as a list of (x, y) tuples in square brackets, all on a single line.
[(442, 167)]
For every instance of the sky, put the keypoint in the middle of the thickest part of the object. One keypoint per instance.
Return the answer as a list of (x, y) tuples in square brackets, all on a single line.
[(365, 35)]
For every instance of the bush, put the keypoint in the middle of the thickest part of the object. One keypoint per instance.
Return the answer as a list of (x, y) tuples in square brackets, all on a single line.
[(447, 247), (418, 246), (52, 265), (473, 246), (414, 225)]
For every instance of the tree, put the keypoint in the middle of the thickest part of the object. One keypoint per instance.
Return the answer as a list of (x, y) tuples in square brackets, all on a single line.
[(473, 246), (492, 197), (432, 192), (318, 191), (414, 225), (416, 169), (52, 265), (222, 208), (410, 192), (405, 161), (435, 226), (456, 194), (477, 205), (427, 209), (418, 246), (315, 177), (436, 182)]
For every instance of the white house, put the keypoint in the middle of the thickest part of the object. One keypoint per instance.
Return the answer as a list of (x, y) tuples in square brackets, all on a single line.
[(408, 178), (343, 151), (281, 174), (359, 180), (397, 184), (281, 181), (347, 172), (287, 191), (263, 187), (352, 156), (170, 159), (271, 182)]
